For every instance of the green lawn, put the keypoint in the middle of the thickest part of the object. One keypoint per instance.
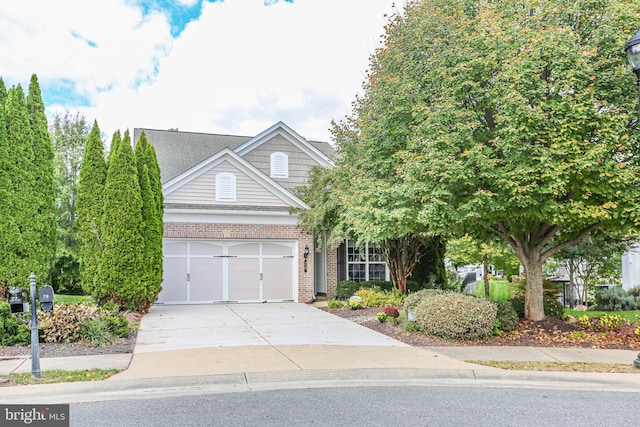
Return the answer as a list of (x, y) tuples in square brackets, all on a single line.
[(633, 316), (499, 290), (70, 299)]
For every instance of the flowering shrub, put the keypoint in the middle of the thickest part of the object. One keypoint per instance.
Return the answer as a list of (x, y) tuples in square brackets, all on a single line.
[(355, 302), (391, 312), (381, 316)]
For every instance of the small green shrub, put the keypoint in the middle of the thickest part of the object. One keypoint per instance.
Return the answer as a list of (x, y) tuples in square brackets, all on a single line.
[(617, 299), (411, 326), (12, 332), (332, 303), (117, 324), (375, 297), (456, 316), (413, 286), (553, 308), (506, 316), (95, 332), (385, 285), (346, 288)]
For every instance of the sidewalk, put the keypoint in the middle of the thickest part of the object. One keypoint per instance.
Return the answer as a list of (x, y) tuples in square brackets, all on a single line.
[(229, 359)]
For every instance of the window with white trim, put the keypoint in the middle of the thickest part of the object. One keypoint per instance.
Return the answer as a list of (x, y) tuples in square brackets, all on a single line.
[(225, 187), (365, 263), (279, 165)]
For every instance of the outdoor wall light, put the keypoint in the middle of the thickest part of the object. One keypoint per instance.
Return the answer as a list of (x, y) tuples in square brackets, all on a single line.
[(306, 255)]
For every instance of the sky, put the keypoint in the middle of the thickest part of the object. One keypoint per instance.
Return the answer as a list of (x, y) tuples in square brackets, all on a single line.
[(228, 67)]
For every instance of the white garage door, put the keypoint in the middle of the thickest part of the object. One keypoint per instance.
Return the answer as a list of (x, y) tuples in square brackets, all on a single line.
[(206, 271)]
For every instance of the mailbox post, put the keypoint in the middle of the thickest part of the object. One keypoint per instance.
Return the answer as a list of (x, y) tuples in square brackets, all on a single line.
[(35, 349)]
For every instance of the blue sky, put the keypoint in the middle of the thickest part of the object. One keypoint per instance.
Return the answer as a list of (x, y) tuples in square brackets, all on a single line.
[(232, 66)]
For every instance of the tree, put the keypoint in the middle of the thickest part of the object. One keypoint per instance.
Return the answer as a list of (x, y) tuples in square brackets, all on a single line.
[(10, 237), (508, 117), (91, 186), (467, 250), (122, 263), (19, 172), (69, 134), (596, 259), (43, 210), (152, 216)]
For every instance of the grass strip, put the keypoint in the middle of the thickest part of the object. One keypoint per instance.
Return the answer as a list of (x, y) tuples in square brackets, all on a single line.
[(560, 366), (58, 376)]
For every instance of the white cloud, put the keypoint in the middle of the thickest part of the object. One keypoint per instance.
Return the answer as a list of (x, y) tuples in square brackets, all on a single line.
[(238, 69)]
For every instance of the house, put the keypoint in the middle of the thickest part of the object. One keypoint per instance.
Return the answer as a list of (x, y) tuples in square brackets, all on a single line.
[(229, 235)]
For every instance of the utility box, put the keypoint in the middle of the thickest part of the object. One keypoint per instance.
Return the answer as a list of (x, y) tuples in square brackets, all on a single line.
[(46, 298)]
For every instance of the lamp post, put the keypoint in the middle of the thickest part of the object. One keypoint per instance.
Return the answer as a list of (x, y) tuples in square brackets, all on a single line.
[(633, 55)]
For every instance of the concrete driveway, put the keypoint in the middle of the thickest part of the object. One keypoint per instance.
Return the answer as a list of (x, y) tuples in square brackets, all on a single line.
[(180, 327), (192, 340)]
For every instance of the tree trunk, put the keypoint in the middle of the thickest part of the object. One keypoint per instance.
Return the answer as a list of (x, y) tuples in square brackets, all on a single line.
[(485, 276), (534, 296), (401, 256)]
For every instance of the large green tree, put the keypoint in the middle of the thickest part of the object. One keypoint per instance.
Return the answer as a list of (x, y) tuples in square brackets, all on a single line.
[(10, 237), (43, 218), (511, 117), (69, 134), (122, 268), (19, 170), (91, 187), (152, 216)]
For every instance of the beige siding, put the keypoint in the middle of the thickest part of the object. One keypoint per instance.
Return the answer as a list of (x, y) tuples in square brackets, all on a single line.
[(201, 190), (299, 162)]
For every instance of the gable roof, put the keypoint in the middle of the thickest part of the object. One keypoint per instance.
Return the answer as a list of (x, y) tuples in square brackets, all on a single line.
[(178, 152), (242, 165), (281, 129)]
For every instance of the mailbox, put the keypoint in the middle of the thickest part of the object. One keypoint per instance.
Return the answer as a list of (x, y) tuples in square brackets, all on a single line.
[(46, 298), (16, 302)]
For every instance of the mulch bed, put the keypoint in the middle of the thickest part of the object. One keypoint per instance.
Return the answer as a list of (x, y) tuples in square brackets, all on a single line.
[(549, 332)]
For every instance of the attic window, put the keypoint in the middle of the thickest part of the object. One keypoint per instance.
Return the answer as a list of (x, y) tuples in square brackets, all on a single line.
[(279, 165), (225, 187)]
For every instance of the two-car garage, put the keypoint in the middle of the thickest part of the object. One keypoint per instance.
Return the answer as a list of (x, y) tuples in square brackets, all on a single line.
[(207, 271)]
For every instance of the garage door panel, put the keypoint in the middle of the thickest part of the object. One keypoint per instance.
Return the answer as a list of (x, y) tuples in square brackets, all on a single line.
[(277, 249), (206, 284), (244, 279), (277, 282), (174, 248), (174, 280), (206, 249), (244, 249)]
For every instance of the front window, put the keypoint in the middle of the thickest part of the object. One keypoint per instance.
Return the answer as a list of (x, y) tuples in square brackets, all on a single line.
[(365, 263)]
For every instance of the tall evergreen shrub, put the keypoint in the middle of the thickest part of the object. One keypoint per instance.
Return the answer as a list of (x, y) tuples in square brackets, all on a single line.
[(122, 268), (43, 209), (91, 186)]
